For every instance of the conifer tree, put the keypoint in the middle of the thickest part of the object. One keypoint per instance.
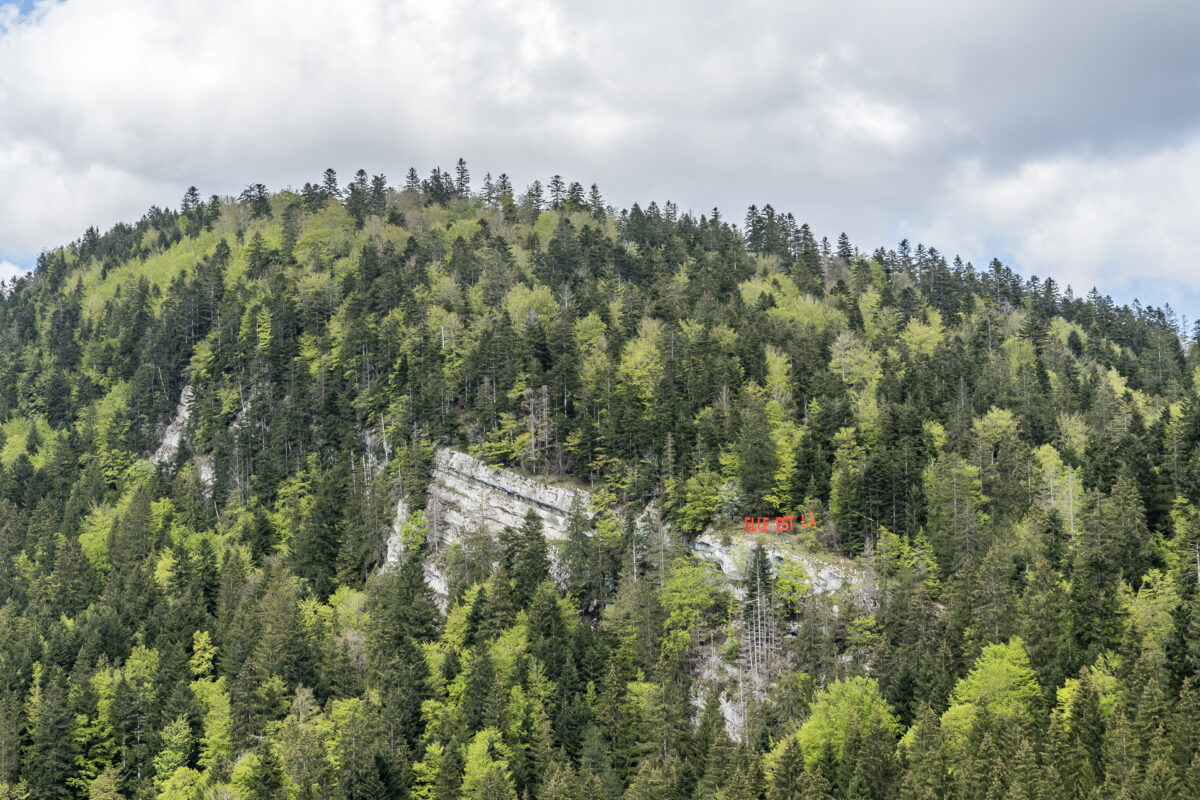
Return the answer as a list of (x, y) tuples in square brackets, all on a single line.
[(266, 779), (478, 699), (49, 760), (319, 539), (596, 202), (402, 615), (530, 561), (462, 179), (757, 455), (291, 233), (1003, 453), (329, 183), (557, 189), (789, 777), (844, 251)]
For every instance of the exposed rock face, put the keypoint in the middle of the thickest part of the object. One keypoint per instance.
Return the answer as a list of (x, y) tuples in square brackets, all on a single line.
[(395, 547), (376, 452), (173, 435), (434, 575), (823, 576), (172, 440), (466, 493)]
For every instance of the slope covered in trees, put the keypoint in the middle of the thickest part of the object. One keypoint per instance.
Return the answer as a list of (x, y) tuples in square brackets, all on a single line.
[(1019, 467)]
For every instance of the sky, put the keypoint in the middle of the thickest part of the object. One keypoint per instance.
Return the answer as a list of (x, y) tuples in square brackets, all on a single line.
[(1062, 138)]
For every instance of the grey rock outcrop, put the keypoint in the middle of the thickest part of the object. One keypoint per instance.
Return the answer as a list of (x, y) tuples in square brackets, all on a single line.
[(824, 576), (173, 435), (172, 440), (395, 547), (465, 493)]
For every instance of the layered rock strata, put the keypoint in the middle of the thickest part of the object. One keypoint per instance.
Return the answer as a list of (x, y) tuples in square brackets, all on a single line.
[(465, 493)]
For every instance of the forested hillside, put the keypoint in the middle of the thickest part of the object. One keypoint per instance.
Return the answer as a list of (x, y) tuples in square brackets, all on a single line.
[(204, 611)]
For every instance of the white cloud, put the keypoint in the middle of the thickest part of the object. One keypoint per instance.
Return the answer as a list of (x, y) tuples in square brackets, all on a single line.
[(968, 124), (9, 270), (155, 96), (1116, 223), (48, 200)]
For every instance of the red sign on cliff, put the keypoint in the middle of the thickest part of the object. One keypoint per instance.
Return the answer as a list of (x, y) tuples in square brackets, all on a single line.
[(781, 524)]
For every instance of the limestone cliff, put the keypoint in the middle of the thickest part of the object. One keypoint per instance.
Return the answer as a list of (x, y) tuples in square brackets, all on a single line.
[(825, 575), (172, 437), (465, 493)]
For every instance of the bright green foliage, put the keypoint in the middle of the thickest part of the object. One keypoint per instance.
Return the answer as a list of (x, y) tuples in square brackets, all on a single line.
[(701, 500), (485, 772), (923, 338), (175, 750), (691, 594), (791, 586), (183, 784), (842, 707), (414, 532), (640, 368), (790, 305), (856, 365), (106, 786), (209, 613), (217, 741), (1000, 684)]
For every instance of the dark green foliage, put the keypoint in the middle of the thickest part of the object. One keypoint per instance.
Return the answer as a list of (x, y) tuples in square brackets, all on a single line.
[(530, 559), (49, 757), (757, 453), (1001, 457), (319, 539), (266, 779)]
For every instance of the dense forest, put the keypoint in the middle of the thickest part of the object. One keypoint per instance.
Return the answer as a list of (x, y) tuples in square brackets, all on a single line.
[(1014, 468)]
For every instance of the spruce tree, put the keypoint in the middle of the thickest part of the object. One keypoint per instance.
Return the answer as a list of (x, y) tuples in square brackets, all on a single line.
[(329, 183), (462, 179), (319, 539), (49, 761), (788, 778), (530, 561), (477, 700), (756, 450), (844, 250), (557, 190)]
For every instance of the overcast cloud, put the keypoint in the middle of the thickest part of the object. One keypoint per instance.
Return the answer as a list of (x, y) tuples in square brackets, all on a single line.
[(1063, 140)]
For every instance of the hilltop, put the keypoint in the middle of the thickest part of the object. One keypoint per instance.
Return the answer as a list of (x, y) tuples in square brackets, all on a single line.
[(213, 420)]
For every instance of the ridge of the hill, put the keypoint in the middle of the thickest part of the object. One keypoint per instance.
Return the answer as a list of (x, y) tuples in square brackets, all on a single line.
[(448, 493)]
